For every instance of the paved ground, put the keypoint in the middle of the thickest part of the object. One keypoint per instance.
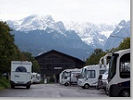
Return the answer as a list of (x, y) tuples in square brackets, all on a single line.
[(52, 90)]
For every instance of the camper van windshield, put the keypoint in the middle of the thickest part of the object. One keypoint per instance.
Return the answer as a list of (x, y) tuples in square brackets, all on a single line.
[(21, 69), (112, 66), (66, 74), (108, 59), (125, 66), (82, 73)]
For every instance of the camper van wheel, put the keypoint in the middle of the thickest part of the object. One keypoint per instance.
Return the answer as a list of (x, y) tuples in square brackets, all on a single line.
[(125, 93), (86, 86), (28, 86), (12, 86), (66, 84)]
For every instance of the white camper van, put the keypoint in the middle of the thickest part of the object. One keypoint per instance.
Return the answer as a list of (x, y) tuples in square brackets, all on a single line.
[(69, 76), (119, 74), (104, 66), (36, 78), (20, 74), (89, 76), (104, 61)]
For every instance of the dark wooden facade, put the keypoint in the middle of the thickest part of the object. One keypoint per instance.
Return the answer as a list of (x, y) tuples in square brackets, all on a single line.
[(53, 62)]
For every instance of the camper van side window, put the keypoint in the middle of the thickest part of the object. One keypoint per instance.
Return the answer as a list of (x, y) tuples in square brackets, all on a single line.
[(21, 69), (90, 73), (102, 71), (125, 66)]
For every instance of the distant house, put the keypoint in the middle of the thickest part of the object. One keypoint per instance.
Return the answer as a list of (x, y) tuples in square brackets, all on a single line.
[(53, 62)]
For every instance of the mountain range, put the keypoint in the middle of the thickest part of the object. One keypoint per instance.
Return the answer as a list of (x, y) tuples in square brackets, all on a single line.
[(38, 34)]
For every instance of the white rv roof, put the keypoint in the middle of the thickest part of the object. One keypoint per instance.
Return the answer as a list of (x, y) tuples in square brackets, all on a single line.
[(68, 70), (21, 62), (108, 54), (88, 66), (121, 51)]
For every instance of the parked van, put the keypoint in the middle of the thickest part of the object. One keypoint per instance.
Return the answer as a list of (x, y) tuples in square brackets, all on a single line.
[(89, 76), (103, 81), (119, 74), (104, 66), (69, 76), (20, 74), (36, 78)]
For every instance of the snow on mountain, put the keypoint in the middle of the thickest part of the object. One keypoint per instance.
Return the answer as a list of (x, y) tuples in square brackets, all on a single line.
[(121, 31), (106, 33), (35, 22), (91, 34), (51, 34), (37, 34)]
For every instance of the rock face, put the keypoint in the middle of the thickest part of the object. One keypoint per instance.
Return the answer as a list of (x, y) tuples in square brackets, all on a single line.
[(120, 32)]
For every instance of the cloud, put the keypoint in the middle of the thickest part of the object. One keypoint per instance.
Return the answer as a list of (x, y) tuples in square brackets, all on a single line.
[(97, 11)]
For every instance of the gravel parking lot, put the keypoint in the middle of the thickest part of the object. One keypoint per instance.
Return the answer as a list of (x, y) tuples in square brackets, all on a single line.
[(52, 90)]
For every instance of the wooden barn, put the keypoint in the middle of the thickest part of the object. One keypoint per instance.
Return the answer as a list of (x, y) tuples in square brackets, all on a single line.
[(53, 62)]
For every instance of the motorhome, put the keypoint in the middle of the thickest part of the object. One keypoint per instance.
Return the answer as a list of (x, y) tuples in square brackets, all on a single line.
[(20, 73), (104, 66), (104, 61), (119, 74), (103, 81), (89, 76), (36, 78), (69, 76)]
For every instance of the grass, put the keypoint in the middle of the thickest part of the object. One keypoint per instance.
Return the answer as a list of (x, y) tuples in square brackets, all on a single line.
[(4, 83), (1, 87)]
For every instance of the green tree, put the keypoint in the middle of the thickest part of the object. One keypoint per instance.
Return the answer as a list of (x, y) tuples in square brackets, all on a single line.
[(125, 44), (28, 57), (95, 57), (10, 52)]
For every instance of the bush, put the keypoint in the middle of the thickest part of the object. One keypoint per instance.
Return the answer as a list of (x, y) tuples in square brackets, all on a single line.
[(4, 83)]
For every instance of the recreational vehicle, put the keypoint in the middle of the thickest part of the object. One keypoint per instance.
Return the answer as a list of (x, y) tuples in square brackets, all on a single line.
[(104, 64), (36, 78), (103, 81), (119, 74), (69, 76), (89, 76), (20, 74)]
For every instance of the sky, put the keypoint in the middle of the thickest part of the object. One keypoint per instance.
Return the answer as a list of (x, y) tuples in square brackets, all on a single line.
[(95, 11)]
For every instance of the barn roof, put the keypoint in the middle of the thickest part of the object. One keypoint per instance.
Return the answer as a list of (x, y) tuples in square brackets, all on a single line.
[(54, 51)]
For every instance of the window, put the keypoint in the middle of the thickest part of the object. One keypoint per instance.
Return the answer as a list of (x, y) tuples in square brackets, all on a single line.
[(81, 74), (102, 61), (21, 69), (112, 66), (125, 66), (108, 59), (102, 71), (90, 74), (65, 75)]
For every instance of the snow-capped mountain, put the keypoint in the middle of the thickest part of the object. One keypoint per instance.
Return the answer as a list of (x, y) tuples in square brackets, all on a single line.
[(37, 34), (35, 22), (41, 33), (91, 34), (121, 31)]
